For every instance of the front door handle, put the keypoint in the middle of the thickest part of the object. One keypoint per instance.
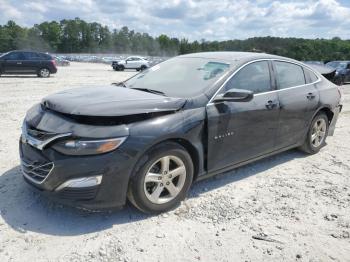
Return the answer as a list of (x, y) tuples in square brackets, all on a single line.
[(310, 96), (19, 63), (271, 104)]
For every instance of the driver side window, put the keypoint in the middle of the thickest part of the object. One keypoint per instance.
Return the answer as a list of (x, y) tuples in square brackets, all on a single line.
[(14, 56), (254, 77)]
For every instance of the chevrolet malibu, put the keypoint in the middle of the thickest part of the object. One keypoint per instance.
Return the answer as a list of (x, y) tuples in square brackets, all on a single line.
[(147, 139)]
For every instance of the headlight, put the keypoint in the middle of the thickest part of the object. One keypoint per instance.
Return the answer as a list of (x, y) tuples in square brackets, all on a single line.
[(88, 147)]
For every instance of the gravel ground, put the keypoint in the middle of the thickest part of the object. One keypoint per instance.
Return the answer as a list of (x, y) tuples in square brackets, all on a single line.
[(290, 207)]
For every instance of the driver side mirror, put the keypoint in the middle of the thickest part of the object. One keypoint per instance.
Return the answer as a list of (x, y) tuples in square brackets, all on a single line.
[(235, 95)]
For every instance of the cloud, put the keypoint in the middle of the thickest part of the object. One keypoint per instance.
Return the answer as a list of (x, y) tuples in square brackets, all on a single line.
[(196, 19)]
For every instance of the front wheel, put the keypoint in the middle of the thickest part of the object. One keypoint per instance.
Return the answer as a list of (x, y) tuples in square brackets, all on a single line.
[(44, 72), (143, 67), (162, 180), (317, 134)]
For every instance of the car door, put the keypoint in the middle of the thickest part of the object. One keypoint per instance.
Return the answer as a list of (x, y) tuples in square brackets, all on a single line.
[(13, 63), (130, 63), (31, 62), (239, 131), (299, 100), (137, 62)]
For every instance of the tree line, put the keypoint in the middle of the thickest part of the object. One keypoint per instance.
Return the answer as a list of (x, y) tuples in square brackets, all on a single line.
[(79, 36)]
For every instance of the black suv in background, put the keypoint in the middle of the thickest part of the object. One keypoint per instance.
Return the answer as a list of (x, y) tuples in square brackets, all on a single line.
[(27, 62)]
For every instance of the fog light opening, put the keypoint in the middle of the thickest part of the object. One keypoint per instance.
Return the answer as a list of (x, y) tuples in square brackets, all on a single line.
[(81, 182)]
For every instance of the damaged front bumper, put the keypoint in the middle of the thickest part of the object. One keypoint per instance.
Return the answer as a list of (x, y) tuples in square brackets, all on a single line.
[(89, 181), (92, 182)]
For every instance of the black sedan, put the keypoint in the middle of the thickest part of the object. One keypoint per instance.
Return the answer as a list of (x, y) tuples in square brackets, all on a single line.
[(149, 138)]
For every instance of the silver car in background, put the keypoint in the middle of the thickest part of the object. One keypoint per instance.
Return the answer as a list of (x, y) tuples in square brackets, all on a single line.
[(132, 62)]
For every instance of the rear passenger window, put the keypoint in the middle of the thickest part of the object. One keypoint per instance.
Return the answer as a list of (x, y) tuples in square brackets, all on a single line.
[(289, 75), (254, 77), (31, 56), (310, 76)]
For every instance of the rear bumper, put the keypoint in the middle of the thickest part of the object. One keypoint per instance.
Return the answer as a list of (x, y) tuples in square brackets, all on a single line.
[(332, 125), (53, 70)]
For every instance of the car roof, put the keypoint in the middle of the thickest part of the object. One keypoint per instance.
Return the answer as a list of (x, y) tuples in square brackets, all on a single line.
[(135, 56), (31, 51), (234, 56), (340, 61)]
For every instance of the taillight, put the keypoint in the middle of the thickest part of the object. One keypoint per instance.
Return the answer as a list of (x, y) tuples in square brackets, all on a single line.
[(53, 62)]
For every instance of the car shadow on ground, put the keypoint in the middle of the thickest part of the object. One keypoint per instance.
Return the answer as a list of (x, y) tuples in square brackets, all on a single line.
[(19, 76), (24, 209)]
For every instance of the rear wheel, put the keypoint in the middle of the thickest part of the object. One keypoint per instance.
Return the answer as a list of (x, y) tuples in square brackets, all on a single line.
[(44, 72), (162, 180), (317, 134)]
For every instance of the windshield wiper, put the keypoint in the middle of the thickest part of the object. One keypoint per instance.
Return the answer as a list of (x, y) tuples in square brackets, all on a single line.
[(119, 84), (150, 91)]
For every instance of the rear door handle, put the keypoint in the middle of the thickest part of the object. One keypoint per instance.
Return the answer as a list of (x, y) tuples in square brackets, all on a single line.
[(310, 96), (19, 63), (271, 105)]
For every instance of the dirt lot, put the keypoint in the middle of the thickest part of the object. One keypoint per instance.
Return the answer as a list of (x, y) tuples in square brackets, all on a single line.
[(290, 207)]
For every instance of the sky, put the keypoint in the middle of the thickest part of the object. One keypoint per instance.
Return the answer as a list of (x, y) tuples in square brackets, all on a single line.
[(195, 19)]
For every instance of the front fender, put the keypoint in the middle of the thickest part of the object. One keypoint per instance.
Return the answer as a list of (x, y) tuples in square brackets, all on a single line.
[(185, 125)]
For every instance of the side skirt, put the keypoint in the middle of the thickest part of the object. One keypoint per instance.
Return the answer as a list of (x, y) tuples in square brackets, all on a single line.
[(225, 169)]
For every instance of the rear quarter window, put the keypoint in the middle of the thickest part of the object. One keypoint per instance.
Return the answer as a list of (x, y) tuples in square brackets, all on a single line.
[(45, 56), (310, 76), (289, 75)]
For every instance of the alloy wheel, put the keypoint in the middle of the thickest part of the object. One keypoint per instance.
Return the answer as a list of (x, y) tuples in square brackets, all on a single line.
[(44, 72), (165, 179), (318, 133)]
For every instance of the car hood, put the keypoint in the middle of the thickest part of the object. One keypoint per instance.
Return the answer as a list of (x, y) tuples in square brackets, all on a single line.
[(110, 101)]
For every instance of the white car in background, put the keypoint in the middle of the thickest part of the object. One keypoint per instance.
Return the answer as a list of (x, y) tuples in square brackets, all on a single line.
[(132, 62)]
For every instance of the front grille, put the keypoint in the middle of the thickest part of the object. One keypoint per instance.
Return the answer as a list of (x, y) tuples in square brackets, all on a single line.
[(78, 193), (37, 172)]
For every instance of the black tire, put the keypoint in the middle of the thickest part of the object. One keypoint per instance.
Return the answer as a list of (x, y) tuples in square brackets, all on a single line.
[(308, 146), (121, 68), (136, 191), (43, 72), (116, 68), (143, 67)]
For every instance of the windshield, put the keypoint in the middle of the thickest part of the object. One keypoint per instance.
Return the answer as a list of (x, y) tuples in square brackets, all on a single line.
[(1, 55), (180, 76), (340, 65)]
